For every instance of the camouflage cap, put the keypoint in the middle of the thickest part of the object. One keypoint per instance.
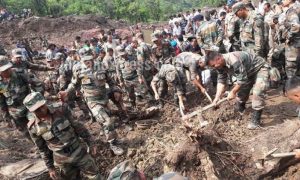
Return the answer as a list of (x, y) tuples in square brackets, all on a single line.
[(171, 176), (124, 171), (238, 6), (4, 63), (33, 101), (171, 76), (17, 52), (87, 58)]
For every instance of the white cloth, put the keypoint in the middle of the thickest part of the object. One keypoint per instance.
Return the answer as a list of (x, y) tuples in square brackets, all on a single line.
[(177, 30), (206, 76), (260, 8)]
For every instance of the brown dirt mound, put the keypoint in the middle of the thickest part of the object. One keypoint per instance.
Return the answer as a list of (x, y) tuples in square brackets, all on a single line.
[(55, 30)]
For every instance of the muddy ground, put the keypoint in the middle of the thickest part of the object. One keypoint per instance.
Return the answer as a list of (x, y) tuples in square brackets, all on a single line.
[(169, 146), (218, 150)]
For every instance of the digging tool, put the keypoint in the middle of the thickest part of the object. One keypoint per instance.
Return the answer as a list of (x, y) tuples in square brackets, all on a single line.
[(202, 109), (208, 97), (271, 154), (166, 101)]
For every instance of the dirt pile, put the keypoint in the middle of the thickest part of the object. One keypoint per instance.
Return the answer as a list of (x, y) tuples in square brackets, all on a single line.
[(56, 30)]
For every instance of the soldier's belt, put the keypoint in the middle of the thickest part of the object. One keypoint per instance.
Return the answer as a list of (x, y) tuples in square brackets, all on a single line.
[(247, 44), (70, 149), (130, 78)]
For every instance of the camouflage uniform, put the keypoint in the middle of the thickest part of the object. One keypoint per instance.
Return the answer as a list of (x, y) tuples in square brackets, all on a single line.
[(146, 68), (126, 170), (210, 33), (232, 31), (163, 54), (292, 25), (92, 83), (189, 61), (251, 72), (110, 64), (22, 67), (127, 73), (170, 74), (58, 140), (56, 80), (252, 33), (12, 93)]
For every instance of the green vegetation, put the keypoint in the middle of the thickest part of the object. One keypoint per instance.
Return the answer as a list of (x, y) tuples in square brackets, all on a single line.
[(131, 10)]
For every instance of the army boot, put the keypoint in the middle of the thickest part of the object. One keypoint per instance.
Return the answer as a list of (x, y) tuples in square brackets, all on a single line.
[(241, 106), (255, 120)]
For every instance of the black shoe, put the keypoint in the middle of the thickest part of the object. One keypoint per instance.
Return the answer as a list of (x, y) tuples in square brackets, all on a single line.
[(255, 120)]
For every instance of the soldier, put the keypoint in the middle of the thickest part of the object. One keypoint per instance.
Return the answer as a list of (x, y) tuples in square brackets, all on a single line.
[(72, 66), (57, 137), (232, 30), (293, 90), (14, 87), (193, 63), (110, 64), (292, 25), (251, 71), (128, 76), (162, 51), (23, 67), (92, 80), (210, 33), (146, 68), (252, 33), (169, 74)]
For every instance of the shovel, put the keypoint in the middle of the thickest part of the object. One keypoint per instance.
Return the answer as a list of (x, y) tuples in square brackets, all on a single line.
[(271, 154)]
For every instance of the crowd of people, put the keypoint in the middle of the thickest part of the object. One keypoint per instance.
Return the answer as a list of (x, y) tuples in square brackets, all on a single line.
[(240, 47), (5, 15)]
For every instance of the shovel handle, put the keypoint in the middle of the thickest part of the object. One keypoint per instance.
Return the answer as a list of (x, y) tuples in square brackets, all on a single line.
[(282, 155), (202, 109)]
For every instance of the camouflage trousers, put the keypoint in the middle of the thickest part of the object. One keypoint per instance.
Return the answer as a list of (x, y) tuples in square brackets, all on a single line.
[(134, 89), (101, 112), (79, 161), (260, 84), (292, 58), (163, 87), (278, 61)]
